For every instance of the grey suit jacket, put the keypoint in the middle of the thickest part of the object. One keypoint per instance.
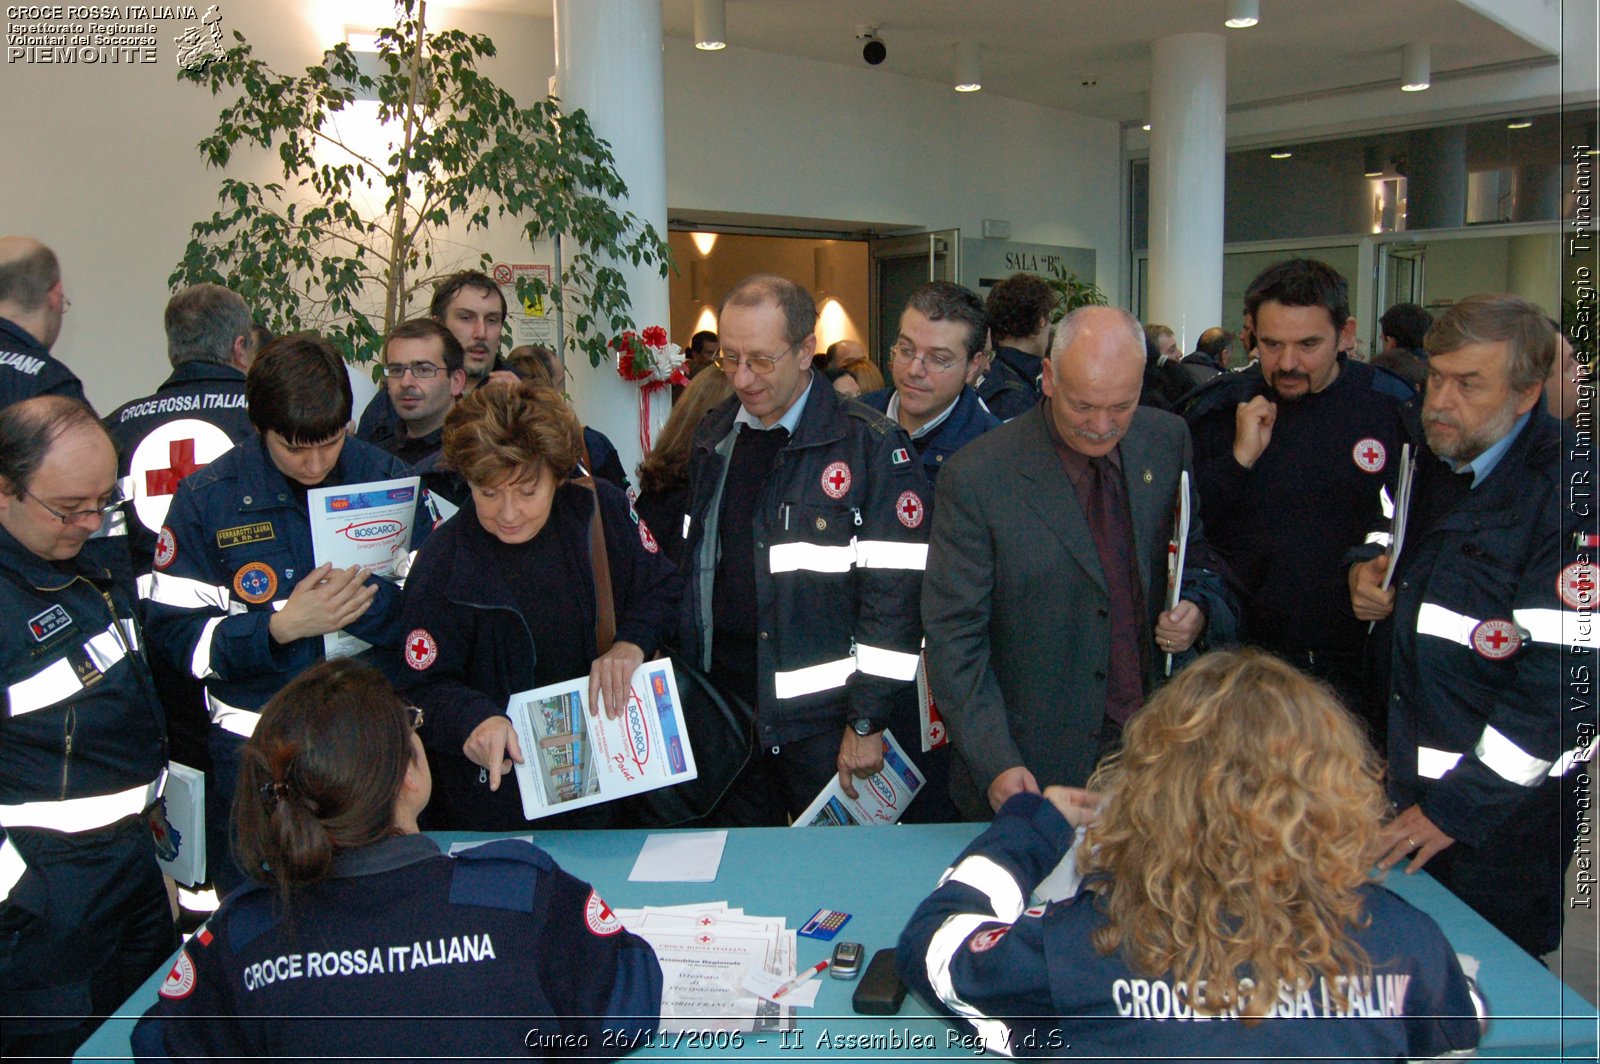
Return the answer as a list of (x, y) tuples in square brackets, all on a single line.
[(1014, 602)]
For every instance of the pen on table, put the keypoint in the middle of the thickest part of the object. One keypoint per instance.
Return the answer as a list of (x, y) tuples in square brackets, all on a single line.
[(815, 969)]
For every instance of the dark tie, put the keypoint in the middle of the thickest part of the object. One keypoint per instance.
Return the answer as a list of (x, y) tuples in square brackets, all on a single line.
[(1113, 539)]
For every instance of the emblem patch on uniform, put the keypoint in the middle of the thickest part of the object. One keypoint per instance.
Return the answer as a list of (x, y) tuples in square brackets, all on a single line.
[(1035, 911), (1576, 585), (908, 508), (935, 734), (900, 456), (836, 480), (647, 539), (421, 650), (241, 535), (179, 983), (255, 583), (984, 941), (1370, 455), (1496, 639), (166, 548), (46, 624), (598, 915)]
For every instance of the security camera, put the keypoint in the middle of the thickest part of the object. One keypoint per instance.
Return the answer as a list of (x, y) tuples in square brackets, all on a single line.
[(873, 51)]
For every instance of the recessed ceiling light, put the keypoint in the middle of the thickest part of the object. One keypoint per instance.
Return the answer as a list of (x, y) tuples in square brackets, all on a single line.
[(1242, 14), (1145, 127), (1281, 153), (1519, 123)]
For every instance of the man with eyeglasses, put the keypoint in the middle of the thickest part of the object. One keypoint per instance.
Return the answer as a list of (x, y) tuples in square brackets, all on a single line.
[(470, 304), (942, 328), (32, 304), (422, 371), (805, 543), (83, 912)]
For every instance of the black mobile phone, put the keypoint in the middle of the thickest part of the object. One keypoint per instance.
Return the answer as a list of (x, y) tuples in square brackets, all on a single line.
[(880, 992), (846, 963)]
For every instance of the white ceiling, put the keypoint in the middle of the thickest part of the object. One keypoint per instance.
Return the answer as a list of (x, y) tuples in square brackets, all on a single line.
[(1043, 51)]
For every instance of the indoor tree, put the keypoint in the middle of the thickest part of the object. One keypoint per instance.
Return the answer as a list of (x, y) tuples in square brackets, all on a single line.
[(352, 234)]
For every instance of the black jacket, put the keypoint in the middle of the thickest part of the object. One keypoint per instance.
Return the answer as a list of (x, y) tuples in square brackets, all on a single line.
[(838, 568), (480, 651), (27, 368)]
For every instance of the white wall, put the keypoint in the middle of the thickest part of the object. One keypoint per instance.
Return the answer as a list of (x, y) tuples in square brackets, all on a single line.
[(100, 161)]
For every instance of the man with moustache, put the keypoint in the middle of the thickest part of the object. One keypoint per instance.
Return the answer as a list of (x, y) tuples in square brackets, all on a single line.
[(1485, 621), (1045, 599), (1289, 455)]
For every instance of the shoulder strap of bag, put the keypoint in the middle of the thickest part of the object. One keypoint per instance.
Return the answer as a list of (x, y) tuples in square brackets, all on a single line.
[(605, 614)]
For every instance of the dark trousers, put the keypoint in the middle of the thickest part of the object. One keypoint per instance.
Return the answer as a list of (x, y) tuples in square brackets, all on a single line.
[(221, 782), (1516, 878), (779, 782), (82, 929)]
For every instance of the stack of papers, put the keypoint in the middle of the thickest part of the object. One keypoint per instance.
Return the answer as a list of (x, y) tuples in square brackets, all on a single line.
[(707, 950)]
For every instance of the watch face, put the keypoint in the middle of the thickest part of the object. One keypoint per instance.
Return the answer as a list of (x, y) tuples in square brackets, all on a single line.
[(861, 727)]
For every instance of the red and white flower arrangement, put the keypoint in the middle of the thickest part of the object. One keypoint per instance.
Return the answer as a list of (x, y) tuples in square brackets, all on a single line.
[(648, 359)]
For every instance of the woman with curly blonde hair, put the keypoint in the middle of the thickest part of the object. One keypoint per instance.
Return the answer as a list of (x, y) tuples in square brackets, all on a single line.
[(1224, 873)]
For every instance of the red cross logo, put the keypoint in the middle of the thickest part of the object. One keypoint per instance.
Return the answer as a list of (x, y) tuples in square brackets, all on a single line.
[(598, 915), (1370, 455), (1577, 585), (165, 481), (836, 480), (908, 508), (1496, 639), (707, 921), (421, 650), (705, 940)]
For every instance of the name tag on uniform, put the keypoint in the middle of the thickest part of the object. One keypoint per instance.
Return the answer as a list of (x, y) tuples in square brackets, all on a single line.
[(48, 623), (243, 534)]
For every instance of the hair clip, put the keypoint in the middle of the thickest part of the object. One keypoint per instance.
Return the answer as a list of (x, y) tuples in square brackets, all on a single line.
[(272, 793)]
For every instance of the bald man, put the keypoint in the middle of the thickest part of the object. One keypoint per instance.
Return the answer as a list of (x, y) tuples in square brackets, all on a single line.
[(1044, 602), (32, 304)]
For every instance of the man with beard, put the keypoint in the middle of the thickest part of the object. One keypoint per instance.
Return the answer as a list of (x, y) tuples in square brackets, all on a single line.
[(1492, 589), (1289, 455), (473, 308)]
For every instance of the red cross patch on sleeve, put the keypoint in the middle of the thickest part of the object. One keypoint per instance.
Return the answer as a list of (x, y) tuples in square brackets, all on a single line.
[(179, 983), (908, 508), (598, 915), (166, 548), (420, 648)]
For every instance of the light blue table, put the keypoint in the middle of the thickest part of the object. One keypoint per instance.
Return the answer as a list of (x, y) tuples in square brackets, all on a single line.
[(880, 874)]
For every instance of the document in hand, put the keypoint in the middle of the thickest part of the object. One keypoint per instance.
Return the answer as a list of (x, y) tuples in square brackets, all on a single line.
[(1177, 548), (572, 758), (367, 525), (881, 798)]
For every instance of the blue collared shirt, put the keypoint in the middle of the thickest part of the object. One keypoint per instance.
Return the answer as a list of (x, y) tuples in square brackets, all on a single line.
[(789, 420), (1484, 464)]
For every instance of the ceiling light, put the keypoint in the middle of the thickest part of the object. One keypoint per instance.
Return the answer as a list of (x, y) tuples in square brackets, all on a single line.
[(969, 78), (1415, 68), (1242, 14), (710, 25), (1519, 123), (1281, 153), (1372, 161)]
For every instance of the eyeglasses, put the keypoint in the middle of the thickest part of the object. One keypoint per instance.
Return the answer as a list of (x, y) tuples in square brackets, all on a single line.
[(904, 356), (757, 364), (414, 713), (114, 500), (423, 371)]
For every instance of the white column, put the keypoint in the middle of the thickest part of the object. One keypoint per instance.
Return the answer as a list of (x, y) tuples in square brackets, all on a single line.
[(608, 63), (1188, 126)]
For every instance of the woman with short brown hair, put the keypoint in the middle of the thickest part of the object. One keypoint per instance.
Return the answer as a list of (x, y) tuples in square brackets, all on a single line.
[(503, 598)]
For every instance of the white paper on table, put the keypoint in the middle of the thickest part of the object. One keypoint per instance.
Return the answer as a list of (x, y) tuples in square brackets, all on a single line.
[(686, 857), (573, 758), (702, 978), (881, 797), (369, 525), (765, 985)]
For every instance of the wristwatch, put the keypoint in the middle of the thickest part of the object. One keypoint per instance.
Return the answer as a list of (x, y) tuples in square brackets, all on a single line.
[(864, 727)]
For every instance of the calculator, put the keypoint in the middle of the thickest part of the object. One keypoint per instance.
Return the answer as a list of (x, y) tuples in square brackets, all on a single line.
[(824, 924)]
